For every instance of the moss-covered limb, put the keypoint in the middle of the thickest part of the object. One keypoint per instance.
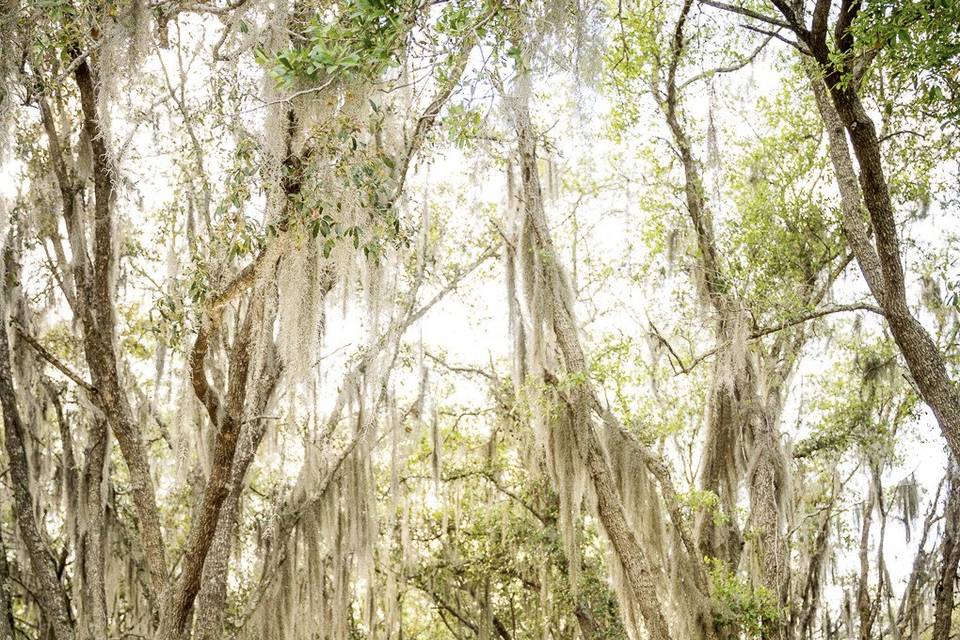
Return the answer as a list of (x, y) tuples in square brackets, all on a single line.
[(577, 452), (739, 449), (51, 594), (179, 600)]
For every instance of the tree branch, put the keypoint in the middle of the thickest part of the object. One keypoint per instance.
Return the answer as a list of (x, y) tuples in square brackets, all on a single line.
[(750, 13), (729, 68), (786, 324), (52, 359)]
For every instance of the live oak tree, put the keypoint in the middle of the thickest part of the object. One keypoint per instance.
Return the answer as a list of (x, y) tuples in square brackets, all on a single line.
[(403, 318)]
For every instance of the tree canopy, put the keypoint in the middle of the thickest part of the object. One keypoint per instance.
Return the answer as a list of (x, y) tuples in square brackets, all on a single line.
[(453, 319)]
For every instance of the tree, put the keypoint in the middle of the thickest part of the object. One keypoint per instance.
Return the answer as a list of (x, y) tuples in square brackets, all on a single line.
[(475, 319)]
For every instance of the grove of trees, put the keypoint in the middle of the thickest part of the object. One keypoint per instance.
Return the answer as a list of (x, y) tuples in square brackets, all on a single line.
[(523, 319)]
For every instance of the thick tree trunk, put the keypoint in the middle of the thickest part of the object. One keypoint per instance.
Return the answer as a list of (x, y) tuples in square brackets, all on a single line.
[(716, 531), (92, 547), (178, 602), (843, 114), (212, 598), (923, 357), (769, 544)]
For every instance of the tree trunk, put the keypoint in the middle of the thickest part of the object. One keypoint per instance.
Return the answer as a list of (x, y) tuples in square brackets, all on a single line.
[(946, 580), (733, 397), (91, 550), (865, 605), (843, 114), (769, 544), (99, 330), (212, 599), (636, 566), (179, 601)]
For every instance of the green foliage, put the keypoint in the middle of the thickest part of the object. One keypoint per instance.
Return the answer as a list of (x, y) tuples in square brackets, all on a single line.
[(746, 609), (463, 125), (372, 177), (699, 500), (635, 60), (362, 39), (62, 343), (169, 320), (919, 44), (865, 401), (786, 230), (621, 366), (480, 530)]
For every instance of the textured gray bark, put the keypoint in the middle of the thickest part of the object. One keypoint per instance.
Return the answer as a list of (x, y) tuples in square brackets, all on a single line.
[(865, 605), (770, 543), (85, 496), (880, 261), (212, 599), (91, 547), (811, 589)]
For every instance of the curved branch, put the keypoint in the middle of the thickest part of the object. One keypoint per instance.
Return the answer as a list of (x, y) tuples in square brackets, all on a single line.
[(750, 13), (728, 68)]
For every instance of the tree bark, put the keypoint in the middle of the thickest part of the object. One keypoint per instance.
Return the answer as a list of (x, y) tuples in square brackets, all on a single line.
[(92, 546), (179, 601), (211, 600), (770, 544), (99, 329), (865, 605), (85, 496), (944, 602), (812, 587), (881, 263)]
